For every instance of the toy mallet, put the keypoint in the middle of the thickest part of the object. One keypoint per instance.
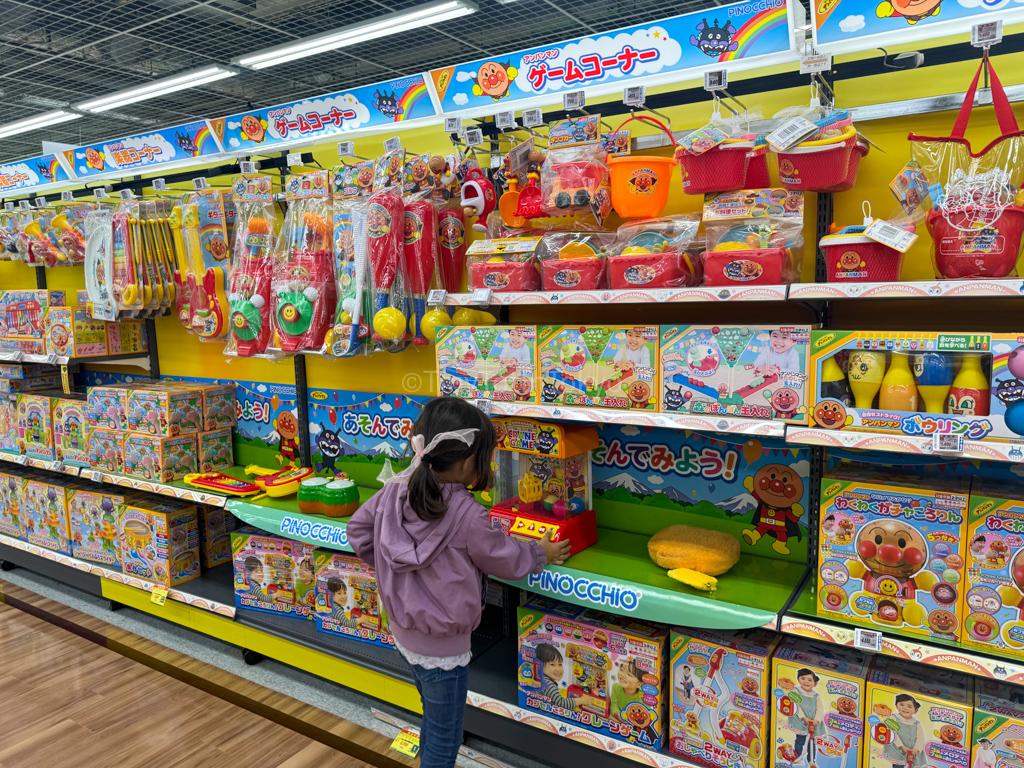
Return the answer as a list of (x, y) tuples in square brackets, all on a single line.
[(385, 224), (420, 258)]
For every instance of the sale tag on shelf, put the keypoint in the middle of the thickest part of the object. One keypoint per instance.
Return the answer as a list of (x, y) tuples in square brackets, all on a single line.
[(159, 595), (346, 149), (199, 184), (716, 80), (25, 205), (126, 194), (11, 355), (947, 443), (8, 207), (634, 96), (407, 743), (393, 144), (987, 34), (40, 202), (573, 100), (22, 459), (160, 185), (533, 117), (294, 158), (474, 137), (452, 124), (895, 237), (100, 193), (437, 297), (67, 196), (484, 406), (816, 62), (867, 640), (481, 295), (56, 466), (505, 120)]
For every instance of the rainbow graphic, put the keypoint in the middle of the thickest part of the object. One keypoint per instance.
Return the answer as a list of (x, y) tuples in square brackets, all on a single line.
[(757, 27), (204, 135), (56, 170), (412, 96)]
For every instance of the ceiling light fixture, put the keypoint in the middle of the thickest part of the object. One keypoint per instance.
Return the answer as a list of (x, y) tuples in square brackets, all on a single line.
[(156, 88), (392, 23), (34, 123)]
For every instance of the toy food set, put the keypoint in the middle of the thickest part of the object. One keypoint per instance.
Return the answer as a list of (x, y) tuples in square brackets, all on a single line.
[(753, 237), (106, 450), (160, 539), (35, 423), (45, 507), (921, 384), (597, 672), (70, 430), (640, 183), (94, 519), (496, 362), (892, 552), (613, 366), (23, 314), (216, 450), (916, 716), (818, 705), (347, 602), (13, 521), (274, 574), (107, 407), (215, 527), (543, 481), (719, 709), (998, 734), (505, 264), (251, 267), (758, 371), (159, 459), (574, 177), (575, 261), (657, 253), (333, 498), (164, 411), (29, 385), (10, 429)]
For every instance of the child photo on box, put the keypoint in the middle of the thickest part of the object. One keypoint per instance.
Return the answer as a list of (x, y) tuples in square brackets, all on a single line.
[(627, 689), (905, 751), (685, 685), (517, 352), (553, 670), (255, 569), (984, 755), (809, 713), (635, 354), (306, 580), (339, 601), (778, 355)]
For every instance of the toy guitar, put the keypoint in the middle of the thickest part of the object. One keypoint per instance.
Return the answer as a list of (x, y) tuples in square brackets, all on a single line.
[(278, 482)]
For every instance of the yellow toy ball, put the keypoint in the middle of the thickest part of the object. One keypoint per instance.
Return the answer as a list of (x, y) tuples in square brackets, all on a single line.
[(483, 318), (430, 321), (389, 323), (464, 316)]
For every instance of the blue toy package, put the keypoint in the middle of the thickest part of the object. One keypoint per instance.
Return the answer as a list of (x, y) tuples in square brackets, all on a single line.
[(496, 362), (347, 601), (273, 574)]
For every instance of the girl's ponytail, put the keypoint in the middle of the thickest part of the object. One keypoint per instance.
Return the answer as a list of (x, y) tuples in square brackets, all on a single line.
[(425, 496)]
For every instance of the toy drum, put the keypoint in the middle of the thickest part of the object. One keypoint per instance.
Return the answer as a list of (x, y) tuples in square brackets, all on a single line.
[(815, 166), (137, 535), (505, 275), (185, 562), (720, 169), (756, 266), (573, 274), (339, 498), (310, 492), (977, 240), (851, 257)]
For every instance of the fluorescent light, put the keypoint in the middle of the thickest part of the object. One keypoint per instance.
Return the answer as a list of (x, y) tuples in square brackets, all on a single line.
[(382, 26), (156, 88), (34, 123)]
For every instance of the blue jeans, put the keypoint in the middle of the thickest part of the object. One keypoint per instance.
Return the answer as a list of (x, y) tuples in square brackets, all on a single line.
[(444, 704)]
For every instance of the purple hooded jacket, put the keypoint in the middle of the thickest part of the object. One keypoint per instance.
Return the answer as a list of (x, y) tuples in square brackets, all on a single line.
[(431, 573)]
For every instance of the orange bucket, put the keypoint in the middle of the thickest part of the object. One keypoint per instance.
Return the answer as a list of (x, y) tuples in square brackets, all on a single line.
[(640, 183)]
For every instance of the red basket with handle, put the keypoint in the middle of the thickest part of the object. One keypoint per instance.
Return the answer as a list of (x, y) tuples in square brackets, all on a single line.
[(757, 169), (655, 270), (505, 276), (573, 274), (852, 258), (815, 166), (859, 152), (977, 240), (720, 169)]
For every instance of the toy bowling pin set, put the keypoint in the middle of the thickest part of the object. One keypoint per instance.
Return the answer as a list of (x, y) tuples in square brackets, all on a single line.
[(347, 602), (496, 362), (719, 710), (596, 672), (273, 574)]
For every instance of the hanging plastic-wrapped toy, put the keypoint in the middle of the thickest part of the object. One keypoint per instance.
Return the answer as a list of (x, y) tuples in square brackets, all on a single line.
[(574, 177), (206, 244), (421, 249), (352, 188), (251, 267)]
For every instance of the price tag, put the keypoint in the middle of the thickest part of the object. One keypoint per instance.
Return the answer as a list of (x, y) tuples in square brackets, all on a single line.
[(12, 355), (533, 117), (947, 443), (159, 595), (294, 158), (474, 137), (160, 185), (56, 466), (816, 62), (573, 100), (23, 460), (437, 297), (505, 120), (407, 743), (481, 295), (96, 475), (885, 233), (40, 202), (346, 149), (867, 640), (393, 144), (67, 196), (452, 124), (716, 80), (52, 358), (126, 194), (484, 406), (634, 95), (100, 193), (790, 133), (25, 205), (199, 184), (989, 33)]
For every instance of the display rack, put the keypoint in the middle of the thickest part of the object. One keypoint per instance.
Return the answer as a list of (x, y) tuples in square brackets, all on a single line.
[(633, 296), (895, 443), (923, 289)]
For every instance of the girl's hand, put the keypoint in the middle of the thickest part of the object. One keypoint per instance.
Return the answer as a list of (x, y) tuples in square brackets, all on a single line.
[(555, 553)]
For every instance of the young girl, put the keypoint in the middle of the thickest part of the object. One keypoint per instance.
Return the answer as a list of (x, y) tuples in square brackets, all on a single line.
[(553, 670), (906, 751), (432, 546), (806, 721)]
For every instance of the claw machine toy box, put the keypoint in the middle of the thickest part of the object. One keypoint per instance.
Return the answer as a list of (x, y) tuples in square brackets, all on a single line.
[(159, 540), (754, 371), (916, 716), (892, 550), (544, 481), (22, 319), (818, 710), (347, 600), (612, 366), (600, 673), (488, 362), (273, 574), (719, 696)]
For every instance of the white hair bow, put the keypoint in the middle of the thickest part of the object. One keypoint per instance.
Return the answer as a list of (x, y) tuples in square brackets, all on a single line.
[(419, 450)]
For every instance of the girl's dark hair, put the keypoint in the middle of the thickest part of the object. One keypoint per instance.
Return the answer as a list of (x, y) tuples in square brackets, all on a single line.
[(252, 563), (547, 653), (449, 414), (632, 669), (901, 697), (805, 671), (335, 583)]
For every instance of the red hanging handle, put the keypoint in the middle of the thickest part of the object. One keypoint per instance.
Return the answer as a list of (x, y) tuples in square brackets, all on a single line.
[(1004, 113), (646, 119)]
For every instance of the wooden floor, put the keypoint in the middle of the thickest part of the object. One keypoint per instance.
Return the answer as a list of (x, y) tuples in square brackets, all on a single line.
[(68, 702)]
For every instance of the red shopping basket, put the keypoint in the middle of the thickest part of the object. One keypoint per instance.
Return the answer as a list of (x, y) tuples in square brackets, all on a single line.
[(654, 270), (815, 166), (757, 169), (851, 257), (573, 274), (505, 276), (720, 169), (859, 152)]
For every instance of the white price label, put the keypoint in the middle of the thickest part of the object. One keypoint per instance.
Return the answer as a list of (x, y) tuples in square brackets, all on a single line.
[(885, 233), (100, 193), (790, 133), (52, 359), (393, 144), (474, 137), (505, 120), (947, 443), (199, 184), (816, 62), (126, 194), (96, 475), (452, 124), (634, 96), (484, 406), (23, 460), (481, 295), (533, 117), (437, 297), (573, 100), (716, 80), (519, 157), (8, 207), (867, 640), (294, 158), (989, 33), (67, 196), (56, 466), (25, 205), (346, 149), (40, 202), (12, 355), (160, 185)]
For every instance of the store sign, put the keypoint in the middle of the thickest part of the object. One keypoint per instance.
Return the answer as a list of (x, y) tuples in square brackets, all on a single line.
[(856, 25), (678, 46), (145, 150), (393, 101), (24, 174)]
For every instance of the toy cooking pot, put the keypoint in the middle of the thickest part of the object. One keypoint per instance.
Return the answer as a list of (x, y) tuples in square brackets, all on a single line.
[(640, 183)]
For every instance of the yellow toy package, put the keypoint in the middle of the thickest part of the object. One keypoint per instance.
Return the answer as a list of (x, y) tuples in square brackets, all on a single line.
[(997, 740)]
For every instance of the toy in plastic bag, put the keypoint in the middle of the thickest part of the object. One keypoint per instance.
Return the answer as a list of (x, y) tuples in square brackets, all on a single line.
[(385, 229), (206, 245), (352, 188), (574, 177), (575, 261), (421, 253), (9, 230), (657, 253), (40, 250), (977, 215), (252, 266), (504, 264)]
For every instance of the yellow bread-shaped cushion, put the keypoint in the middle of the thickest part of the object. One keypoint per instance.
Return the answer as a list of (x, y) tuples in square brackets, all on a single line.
[(700, 581), (684, 546)]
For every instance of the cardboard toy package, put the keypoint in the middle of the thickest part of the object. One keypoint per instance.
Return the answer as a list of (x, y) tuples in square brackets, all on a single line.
[(347, 602), (493, 362), (273, 574)]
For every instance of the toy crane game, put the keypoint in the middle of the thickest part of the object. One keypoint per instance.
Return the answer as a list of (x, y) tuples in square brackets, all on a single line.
[(543, 481), (590, 670)]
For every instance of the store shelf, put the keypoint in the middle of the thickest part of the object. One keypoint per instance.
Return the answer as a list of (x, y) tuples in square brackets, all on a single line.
[(138, 359), (654, 295), (617, 575), (52, 466), (925, 289), (801, 619), (893, 443), (178, 490), (282, 517), (766, 428)]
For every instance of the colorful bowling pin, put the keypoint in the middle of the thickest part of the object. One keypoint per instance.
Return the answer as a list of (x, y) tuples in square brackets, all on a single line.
[(969, 394), (934, 373), (898, 392), (866, 370), (833, 382)]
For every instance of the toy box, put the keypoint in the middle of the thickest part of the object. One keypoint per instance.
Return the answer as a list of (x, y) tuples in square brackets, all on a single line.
[(161, 459), (29, 384), (106, 450), (614, 366), (720, 696), (347, 602), (107, 407), (920, 384), (72, 332), (496, 362), (45, 507), (22, 316), (126, 337), (12, 516), (24, 370), (273, 574), (159, 539), (825, 684), (916, 716), (215, 527), (891, 552), (10, 429), (94, 519), (218, 405), (601, 673), (994, 587), (216, 450), (70, 433), (35, 422), (998, 734), (167, 413), (757, 371)]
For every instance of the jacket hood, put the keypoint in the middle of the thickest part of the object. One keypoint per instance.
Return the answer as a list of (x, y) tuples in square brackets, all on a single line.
[(408, 543)]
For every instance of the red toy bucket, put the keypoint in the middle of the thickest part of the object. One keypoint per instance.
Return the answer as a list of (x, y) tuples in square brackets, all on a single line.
[(852, 258), (757, 169), (720, 169), (815, 166), (654, 270), (573, 274), (758, 266), (859, 152), (640, 183), (964, 249), (505, 276)]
